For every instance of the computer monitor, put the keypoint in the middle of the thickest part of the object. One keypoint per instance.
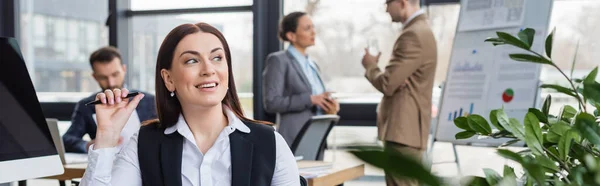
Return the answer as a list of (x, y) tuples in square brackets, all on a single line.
[(26, 147)]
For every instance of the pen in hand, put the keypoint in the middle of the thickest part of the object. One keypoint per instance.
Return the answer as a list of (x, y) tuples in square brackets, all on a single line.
[(130, 95)]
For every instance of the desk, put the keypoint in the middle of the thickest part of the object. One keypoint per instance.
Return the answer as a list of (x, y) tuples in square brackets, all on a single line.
[(71, 171), (336, 175)]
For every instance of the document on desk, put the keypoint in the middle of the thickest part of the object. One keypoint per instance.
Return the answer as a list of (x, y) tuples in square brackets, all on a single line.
[(314, 169), (74, 158)]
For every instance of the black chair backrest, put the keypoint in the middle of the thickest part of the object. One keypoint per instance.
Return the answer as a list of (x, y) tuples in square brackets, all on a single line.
[(303, 181), (313, 135)]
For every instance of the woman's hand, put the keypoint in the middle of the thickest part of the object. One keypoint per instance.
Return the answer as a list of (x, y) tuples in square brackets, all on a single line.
[(112, 115), (320, 100)]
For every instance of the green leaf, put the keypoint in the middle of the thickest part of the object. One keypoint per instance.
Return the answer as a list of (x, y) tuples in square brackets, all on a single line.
[(533, 169), (560, 89), (509, 171), (590, 162), (567, 113), (574, 59), (564, 145), (494, 120), (530, 58), (508, 181), (527, 36), (533, 134), (534, 145), (549, 41), (591, 77), (529, 181), (494, 40), (398, 165), (597, 105), (532, 126), (510, 155), (539, 115), (553, 150), (491, 176), (505, 122), (512, 40), (524, 151), (474, 181), (557, 130), (464, 134), (518, 129), (547, 163), (461, 122), (508, 143), (591, 91), (479, 124), (588, 128), (546, 106)]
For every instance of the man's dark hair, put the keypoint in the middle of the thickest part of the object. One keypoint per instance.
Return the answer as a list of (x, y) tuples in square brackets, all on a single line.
[(104, 55)]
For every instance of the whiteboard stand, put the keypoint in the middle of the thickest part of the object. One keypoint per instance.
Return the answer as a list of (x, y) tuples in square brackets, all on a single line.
[(433, 139)]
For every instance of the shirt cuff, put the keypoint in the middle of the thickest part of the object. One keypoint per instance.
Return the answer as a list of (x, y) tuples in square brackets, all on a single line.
[(101, 162)]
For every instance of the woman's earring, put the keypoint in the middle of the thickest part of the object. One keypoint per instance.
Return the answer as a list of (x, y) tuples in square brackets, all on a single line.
[(172, 93)]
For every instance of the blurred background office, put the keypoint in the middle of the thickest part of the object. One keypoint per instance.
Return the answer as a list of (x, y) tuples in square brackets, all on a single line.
[(57, 37)]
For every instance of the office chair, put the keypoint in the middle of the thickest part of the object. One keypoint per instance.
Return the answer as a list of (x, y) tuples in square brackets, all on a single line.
[(312, 137)]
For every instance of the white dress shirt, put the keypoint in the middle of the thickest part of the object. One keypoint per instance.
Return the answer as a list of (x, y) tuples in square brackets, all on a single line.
[(106, 167), (417, 13)]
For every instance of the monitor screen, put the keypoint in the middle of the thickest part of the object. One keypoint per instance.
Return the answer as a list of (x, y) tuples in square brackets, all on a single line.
[(23, 129)]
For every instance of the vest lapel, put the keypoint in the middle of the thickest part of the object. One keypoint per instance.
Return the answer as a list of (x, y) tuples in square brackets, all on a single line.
[(241, 159), (171, 150)]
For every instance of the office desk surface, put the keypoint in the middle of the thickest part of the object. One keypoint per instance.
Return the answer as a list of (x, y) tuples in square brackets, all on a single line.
[(71, 171), (335, 175)]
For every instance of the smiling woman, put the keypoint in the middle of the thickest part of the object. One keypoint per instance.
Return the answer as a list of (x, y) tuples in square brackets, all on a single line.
[(201, 136)]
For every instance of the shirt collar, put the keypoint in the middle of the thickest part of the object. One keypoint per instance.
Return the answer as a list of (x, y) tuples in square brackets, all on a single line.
[(414, 15), (297, 54), (234, 123)]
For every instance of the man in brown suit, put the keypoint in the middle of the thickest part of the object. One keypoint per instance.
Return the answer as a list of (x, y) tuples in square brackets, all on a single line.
[(406, 82)]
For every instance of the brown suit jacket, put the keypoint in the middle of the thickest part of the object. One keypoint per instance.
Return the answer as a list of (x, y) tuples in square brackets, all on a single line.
[(406, 83)]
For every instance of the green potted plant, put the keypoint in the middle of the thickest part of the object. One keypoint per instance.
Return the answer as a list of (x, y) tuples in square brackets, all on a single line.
[(563, 149)]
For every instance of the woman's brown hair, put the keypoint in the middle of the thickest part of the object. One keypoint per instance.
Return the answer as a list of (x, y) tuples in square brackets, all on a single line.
[(289, 23), (168, 107)]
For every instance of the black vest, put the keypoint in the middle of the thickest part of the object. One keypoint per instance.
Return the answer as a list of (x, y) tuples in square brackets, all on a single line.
[(252, 156)]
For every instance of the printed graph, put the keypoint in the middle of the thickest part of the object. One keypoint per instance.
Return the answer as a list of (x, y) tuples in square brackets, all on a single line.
[(460, 112)]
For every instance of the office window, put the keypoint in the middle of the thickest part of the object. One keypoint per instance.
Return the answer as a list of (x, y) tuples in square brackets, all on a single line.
[(343, 30), (175, 4), (576, 24), (342, 33), (57, 38), (150, 31), (443, 19)]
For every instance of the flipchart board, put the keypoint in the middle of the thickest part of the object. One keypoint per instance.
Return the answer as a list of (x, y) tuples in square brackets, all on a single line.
[(481, 77)]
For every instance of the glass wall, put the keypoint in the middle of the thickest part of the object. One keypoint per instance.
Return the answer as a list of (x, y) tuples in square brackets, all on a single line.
[(343, 30), (576, 39), (57, 38), (149, 32), (176, 4)]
